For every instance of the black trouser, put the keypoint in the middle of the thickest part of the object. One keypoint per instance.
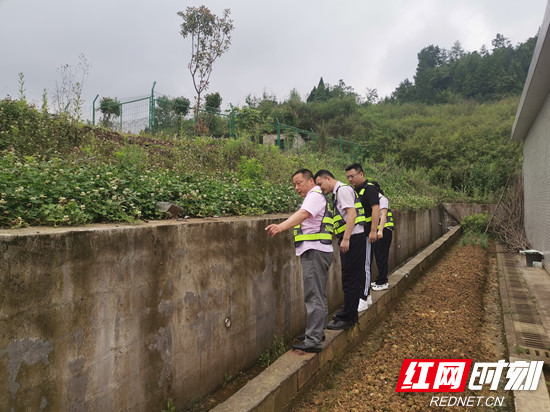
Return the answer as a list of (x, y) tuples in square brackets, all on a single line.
[(381, 251), (353, 276)]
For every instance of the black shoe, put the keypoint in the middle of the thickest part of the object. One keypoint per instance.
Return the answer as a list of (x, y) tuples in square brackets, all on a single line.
[(303, 347), (303, 337), (340, 324)]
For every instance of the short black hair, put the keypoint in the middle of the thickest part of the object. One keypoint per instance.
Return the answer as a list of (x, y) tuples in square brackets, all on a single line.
[(377, 186), (323, 173), (306, 173), (355, 166)]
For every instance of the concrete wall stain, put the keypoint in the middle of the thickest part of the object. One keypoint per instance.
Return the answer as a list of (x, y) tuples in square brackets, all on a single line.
[(77, 385), (162, 343), (43, 404), (27, 351)]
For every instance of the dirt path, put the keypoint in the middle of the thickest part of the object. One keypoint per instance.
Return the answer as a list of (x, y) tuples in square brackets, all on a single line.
[(452, 312)]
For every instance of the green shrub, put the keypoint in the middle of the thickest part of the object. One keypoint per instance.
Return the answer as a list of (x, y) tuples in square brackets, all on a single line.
[(278, 348), (476, 223), (131, 156), (251, 171), (472, 238), (169, 407), (63, 192), (27, 131)]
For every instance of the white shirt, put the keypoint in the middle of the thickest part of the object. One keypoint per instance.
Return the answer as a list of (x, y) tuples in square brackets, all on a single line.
[(346, 199), (314, 203)]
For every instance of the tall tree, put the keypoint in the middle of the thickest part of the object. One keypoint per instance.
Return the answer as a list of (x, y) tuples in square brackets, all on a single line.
[(294, 95), (322, 91), (311, 96), (110, 108), (170, 112), (210, 38), (483, 51), (429, 58), (319, 93), (404, 93), (500, 42), (340, 91), (164, 113), (181, 106), (213, 102), (428, 77), (371, 96), (456, 52)]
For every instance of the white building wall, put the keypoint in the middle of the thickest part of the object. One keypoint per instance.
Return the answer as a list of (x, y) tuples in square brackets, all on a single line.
[(536, 178)]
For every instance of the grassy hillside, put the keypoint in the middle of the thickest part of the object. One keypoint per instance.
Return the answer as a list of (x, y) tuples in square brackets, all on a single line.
[(465, 146), (54, 171)]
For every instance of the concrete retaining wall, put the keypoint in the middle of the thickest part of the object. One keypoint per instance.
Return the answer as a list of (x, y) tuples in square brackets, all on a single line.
[(124, 317), (462, 210), (277, 386)]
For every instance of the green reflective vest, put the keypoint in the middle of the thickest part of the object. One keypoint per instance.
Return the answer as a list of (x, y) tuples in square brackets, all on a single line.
[(389, 218), (338, 221), (324, 235)]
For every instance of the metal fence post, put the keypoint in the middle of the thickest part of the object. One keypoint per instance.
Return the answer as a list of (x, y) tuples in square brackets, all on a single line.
[(232, 123), (152, 109), (278, 133), (93, 111)]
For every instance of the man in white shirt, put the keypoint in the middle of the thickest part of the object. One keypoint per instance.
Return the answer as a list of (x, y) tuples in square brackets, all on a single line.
[(348, 219), (312, 225)]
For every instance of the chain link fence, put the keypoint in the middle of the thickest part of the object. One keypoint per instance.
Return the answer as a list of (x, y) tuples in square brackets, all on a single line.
[(134, 115), (152, 114), (293, 138)]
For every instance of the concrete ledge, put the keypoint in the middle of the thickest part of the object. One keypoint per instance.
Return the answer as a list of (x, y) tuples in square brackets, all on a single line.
[(535, 400), (279, 384)]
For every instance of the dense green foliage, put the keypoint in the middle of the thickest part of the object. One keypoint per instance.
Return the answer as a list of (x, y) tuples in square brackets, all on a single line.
[(212, 102), (464, 146), (474, 228), (170, 113), (59, 192), (100, 176), (451, 124), (324, 92), (33, 131), (443, 75), (110, 108), (476, 223)]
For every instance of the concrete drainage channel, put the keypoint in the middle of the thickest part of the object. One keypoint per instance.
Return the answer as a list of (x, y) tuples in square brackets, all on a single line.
[(278, 385)]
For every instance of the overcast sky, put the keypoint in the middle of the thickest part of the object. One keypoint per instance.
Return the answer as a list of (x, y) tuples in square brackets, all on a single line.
[(276, 45)]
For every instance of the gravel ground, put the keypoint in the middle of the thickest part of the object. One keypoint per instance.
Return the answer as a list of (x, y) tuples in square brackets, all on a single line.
[(452, 312)]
